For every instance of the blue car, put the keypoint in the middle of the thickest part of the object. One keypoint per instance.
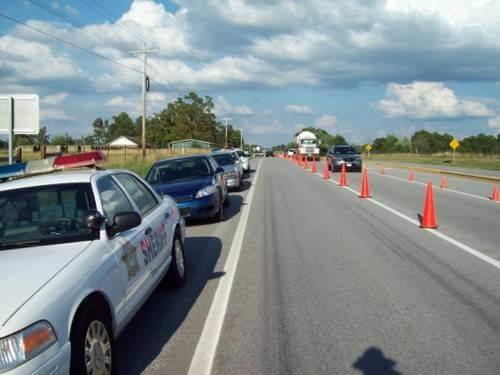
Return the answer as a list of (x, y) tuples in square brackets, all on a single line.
[(197, 184)]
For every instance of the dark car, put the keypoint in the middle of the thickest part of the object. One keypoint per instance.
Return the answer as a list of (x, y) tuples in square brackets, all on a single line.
[(269, 153), (197, 184), (343, 154)]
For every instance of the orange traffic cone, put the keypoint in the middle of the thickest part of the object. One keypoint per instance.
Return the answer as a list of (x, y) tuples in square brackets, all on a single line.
[(343, 176), (306, 164), (326, 171), (444, 183), (411, 176), (365, 188), (429, 217), (382, 170), (314, 169), (495, 196)]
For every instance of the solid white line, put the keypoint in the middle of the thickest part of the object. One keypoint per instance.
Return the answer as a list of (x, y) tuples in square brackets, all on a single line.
[(435, 232), (204, 355), (423, 183)]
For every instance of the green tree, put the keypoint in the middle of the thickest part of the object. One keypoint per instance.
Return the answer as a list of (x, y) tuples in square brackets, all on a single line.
[(121, 125), (42, 138), (100, 131), (62, 140)]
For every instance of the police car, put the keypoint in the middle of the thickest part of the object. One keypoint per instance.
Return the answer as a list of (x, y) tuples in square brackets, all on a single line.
[(80, 252)]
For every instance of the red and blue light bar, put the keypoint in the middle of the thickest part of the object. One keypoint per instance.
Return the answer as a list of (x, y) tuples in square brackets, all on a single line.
[(86, 159)]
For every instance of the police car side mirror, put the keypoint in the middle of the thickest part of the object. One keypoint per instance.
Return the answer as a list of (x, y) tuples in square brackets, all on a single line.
[(93, 219), (124, 221)]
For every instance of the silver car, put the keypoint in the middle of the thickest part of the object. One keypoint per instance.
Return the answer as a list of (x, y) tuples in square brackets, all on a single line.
[(245, 160), (233, 170), (80, 253)]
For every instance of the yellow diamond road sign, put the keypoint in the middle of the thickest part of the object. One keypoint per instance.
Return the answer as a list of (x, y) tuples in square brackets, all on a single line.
[(454, 144), (368, 147)]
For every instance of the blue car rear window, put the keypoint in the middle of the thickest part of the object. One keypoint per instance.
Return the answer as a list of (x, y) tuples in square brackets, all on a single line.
[(178, 169)]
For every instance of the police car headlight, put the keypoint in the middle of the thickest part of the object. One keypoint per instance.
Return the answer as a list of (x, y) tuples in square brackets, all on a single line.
[(206, 191), (25, 345)]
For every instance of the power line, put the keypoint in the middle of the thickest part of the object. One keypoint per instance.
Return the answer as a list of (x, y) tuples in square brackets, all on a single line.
[(67, 19), (96, 7), (68, 43)]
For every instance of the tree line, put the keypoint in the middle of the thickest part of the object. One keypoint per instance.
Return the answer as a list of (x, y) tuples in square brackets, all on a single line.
[(424, 142), (186, 117)]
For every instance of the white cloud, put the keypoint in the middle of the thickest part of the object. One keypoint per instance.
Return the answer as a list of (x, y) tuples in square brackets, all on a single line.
[(494, 123), (224, 108), (299, 109), (429, 100), (54, 99), (326, 122), (122, 102), (54, 114)]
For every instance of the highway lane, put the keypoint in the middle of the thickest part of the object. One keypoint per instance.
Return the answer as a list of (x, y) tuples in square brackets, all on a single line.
[(473, 221), (482, 189), (330, 283), (162, 337)]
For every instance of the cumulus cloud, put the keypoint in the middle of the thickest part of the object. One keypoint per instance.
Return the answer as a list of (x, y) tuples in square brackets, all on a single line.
[(54, 99), (494, 123), (326, 122), (299, 109), (122, 102), (429, 100), (224, 108)]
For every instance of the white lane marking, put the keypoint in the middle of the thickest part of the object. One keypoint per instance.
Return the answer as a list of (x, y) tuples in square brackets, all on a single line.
[(204, 355), (444, 190), (460, 245)]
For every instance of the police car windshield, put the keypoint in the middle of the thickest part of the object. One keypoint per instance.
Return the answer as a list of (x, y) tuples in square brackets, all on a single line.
[(224, 159), (44, 215), (178, 169)]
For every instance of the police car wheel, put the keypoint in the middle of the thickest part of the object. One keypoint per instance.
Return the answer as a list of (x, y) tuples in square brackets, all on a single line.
[(176, 275), (91, 343)]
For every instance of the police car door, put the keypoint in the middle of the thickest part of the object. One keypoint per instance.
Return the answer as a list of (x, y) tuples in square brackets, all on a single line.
[(159, 223), (126, 245)]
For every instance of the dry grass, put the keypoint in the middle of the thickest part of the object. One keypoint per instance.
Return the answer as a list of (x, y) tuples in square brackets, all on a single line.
[(491, 162)]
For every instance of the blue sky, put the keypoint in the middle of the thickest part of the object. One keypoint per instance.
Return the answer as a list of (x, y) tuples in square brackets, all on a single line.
[(360, 68)]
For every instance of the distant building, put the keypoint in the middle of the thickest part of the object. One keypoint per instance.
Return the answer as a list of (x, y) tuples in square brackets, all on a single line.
[(122, 142), (191, 143)]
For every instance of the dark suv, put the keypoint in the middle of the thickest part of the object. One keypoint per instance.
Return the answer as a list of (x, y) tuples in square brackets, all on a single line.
[(343, 154)]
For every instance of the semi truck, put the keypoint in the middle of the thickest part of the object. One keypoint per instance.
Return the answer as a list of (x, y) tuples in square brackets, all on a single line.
[(307, 145)]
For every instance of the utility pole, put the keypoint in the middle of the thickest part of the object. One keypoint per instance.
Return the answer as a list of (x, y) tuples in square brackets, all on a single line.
[(145, 78), (226, 119), (241, 139)]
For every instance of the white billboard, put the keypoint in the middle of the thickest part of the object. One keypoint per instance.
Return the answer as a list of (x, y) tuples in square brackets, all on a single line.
[(26, 113)]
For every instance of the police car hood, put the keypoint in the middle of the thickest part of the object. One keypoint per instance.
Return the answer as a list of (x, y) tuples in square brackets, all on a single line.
[(23, 272)]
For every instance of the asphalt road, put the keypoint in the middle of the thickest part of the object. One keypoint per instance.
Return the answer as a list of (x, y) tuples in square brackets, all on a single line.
[(328, 283)]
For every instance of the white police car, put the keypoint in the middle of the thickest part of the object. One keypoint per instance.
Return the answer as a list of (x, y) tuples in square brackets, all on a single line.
[(80, 252)]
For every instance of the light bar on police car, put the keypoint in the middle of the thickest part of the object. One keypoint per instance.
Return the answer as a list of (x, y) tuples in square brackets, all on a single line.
[(86, 159)]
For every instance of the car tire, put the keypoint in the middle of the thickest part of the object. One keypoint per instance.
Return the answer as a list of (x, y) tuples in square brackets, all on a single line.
[(176, 274), (91, 327), (240, 183)]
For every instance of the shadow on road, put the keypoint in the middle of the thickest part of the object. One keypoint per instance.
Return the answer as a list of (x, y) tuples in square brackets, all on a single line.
[(161, 316), (374, 362)]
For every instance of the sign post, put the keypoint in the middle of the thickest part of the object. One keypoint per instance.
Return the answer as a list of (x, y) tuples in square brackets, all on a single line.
[(19, 114), (454, 145), (368, 147)]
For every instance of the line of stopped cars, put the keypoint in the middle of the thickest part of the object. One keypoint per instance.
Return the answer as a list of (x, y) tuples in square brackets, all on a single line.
[(81, 250)]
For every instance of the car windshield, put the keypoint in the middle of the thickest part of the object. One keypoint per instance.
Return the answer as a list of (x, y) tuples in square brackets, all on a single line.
[(44, 215), (223, 159), (178, 169), (344, 150)]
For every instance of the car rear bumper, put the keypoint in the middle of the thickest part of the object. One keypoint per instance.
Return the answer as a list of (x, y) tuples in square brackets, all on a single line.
[(233, 182)]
